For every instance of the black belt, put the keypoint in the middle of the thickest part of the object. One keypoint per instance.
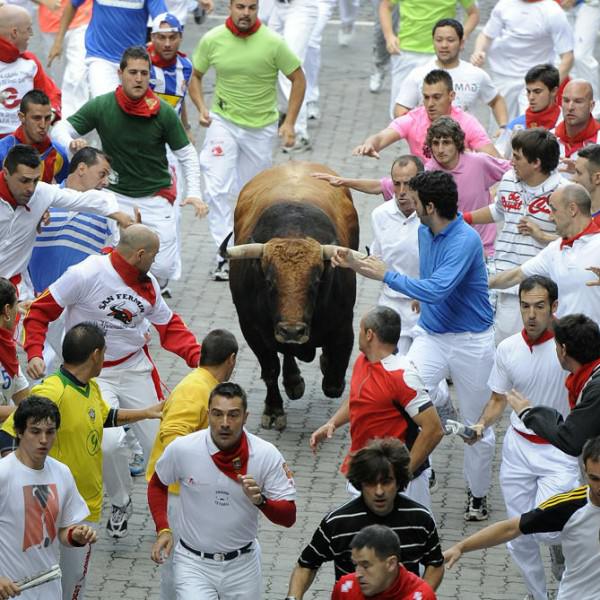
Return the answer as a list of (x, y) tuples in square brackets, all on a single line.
[(219, 556)]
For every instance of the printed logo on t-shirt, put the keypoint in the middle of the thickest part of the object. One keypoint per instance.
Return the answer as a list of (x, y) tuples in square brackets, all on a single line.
[(41, 514), (6, 379), (513, 202), (92, 443), (540, 205), (222, 498), (123, 308)]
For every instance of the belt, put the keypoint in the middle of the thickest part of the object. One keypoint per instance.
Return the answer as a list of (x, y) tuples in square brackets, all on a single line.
[(531, 437), (219, 556)]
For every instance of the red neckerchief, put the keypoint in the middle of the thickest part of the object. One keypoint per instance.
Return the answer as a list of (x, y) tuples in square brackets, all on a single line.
[(8, 352), (42, 147), (547, 335), (572, 144), (158, 61), (231, 26), (8, 52), (592, 228), (234, 462), (147, 106), (545, 118), (134, 278), (575, 382), (5, 193)]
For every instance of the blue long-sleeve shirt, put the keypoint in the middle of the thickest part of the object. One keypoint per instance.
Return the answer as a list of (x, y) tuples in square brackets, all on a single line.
[(453, 285)]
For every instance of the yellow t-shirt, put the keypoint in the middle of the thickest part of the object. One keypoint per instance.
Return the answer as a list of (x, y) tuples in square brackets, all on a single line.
[(185, 411), (78, 442)]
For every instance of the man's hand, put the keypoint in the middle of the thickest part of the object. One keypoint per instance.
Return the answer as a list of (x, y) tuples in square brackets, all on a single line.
[(84, 534), (36, 368), (325, 432), (566, 165), (343, 258), (154, 411), (333, 180), (528, 227), (478, 58), (596, 272), (415, 306), (287, 134), (77, 144), (366, 149), (204, 117), (207, 5), (371, 267), (251, 489), (23, 307), (162, 547), (200, 207), (517, 401), (452, 555), (8, 588), (478, 428), (54, 53), (392, 45), (45, 220), (124, 219)]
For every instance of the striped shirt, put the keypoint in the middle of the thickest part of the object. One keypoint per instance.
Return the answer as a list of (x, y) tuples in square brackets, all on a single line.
[(515, 200), (413, 524), (171, 83)]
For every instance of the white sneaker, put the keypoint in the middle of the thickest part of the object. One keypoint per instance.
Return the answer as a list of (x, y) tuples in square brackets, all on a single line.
[(221, 271), (117, 522), (312, 110), (345, 35), (376, 81), (477, 509)]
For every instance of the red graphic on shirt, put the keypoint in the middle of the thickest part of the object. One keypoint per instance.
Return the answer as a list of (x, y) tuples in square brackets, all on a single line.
[(41, 515), (540, 205), (10, 97), (217, 150), (513, 202)]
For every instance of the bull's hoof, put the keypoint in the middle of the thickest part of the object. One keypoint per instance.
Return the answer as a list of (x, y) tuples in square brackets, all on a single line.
[(323, 363), (266, 421), (333, 391), (278, 422), (294, 387)]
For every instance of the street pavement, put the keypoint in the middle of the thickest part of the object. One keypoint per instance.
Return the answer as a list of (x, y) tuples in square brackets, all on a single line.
[(123, 569)]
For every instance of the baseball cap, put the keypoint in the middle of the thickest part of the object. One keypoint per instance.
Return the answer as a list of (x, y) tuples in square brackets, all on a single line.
[(170, 19)]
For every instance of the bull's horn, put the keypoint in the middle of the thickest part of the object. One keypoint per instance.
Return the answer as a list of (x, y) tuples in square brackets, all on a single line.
[(245, 251), (328, 250)]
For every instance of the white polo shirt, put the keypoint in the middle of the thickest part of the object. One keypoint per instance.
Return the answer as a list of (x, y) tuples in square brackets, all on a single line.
[(216, 515), (567, 267), (534, 372)]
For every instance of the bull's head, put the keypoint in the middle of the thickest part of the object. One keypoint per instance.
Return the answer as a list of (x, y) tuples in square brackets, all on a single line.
[(292, 269)]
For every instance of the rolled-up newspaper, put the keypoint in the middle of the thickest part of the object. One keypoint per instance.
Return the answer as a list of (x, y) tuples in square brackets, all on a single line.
[(51, 574)]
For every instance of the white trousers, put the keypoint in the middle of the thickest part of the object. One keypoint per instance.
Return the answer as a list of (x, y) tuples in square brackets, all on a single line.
[(167, 573), (512, 88), (128, 385), (74, 564), (587, 24), (295, 21), (312, 61), (529, 474), (231, 155), (467, 358), (402, 65), (74, 86), (158, 214), (103, 76), (348, 11), (508, 320), (206, 579)]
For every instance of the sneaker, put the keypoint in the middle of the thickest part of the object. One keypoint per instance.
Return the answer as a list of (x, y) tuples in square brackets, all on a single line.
[(376, 81), (136, 465), (117, 522), (345, 35), (302, 145), (476, 508), (165, 290), (221, 272), (433, 483), (557, 561), (312, 111)]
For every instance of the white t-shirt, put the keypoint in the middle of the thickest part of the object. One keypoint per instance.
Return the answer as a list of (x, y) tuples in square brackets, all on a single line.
[(11, 385), (216, 515), (525, 34), (93, 291), (535, 373), (471, 85), (567, 267), (34, 505)]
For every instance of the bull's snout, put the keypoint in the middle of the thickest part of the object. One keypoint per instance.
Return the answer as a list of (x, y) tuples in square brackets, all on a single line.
[(291, 333)]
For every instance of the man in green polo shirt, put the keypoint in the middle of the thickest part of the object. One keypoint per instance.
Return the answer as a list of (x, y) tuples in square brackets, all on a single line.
[(413, 45), (242, 121)]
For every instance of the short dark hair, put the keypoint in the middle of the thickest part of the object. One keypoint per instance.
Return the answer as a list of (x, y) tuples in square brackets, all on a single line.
[(385, 323), (88, 155), (217, 346), (592, 154), (439, 189), (33, 97), (538, 143), (22, 154), (80, 341), (8, 293), (546, 73), (446, 127), (540, 281), (134, 53), (228, 389), (456, 25), (591, 450), (437, 76), (580, 336), (373, 463), (380, 538), (406, 159), (36, 408)]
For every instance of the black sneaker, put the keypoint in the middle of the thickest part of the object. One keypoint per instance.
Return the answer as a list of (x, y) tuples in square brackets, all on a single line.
[(117, 522), (477, 509), (433, 484)]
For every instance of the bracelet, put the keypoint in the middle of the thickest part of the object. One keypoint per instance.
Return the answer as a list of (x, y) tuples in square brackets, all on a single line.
[(71, 541), (166, 529), (264, 501)]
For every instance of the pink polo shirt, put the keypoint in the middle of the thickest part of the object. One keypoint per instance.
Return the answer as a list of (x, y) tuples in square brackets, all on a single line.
[(474, 174), (414, 124)]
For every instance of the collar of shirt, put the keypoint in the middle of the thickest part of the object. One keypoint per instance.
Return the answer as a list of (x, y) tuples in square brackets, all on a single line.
[(447, 230), (591, 229)]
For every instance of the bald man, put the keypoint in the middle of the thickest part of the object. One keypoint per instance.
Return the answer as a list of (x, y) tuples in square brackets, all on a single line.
[(118, 293), (567, 260), (20, 71), (579, 128)]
